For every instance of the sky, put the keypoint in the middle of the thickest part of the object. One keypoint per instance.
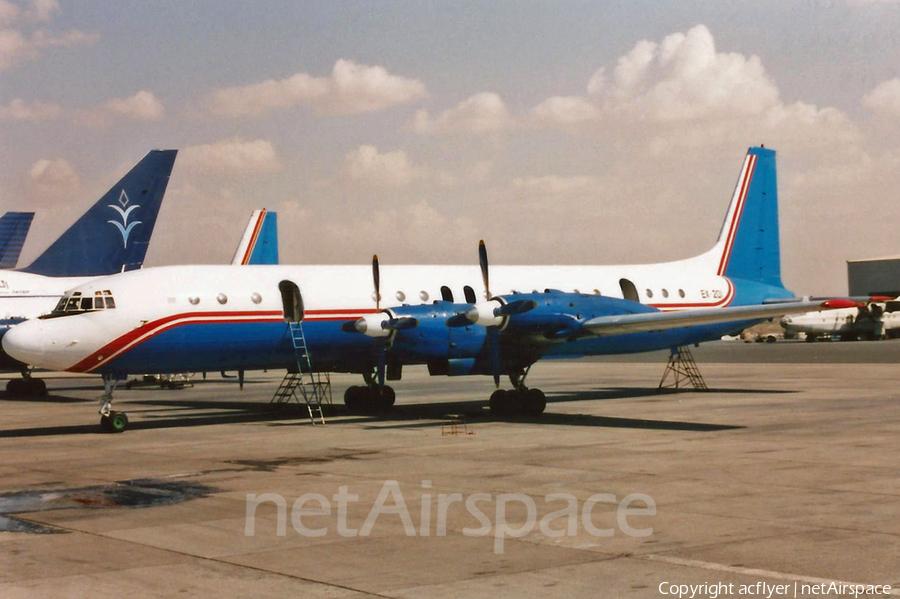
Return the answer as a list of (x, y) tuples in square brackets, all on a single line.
[(575, 132)]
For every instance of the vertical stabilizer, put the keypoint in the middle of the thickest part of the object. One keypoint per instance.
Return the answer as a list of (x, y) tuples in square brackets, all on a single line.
[(13, 231), (748, 245), (259, 244), (114, 234)]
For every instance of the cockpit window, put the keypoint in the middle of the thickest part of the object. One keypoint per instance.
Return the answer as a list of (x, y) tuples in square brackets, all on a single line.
[(76, 303)]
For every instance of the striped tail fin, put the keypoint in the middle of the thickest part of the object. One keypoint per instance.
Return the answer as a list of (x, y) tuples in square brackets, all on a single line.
[(748, 245), (259, 244)]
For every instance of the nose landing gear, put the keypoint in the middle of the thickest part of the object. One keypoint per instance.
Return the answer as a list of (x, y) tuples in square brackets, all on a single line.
[(110, 420)]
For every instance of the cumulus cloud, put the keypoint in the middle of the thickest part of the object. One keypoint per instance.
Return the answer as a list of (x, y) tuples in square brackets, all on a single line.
[(234, 156), (482, 113), (20, 110), (53, 176), (351, 89), (20, 42), (142, 106), (392, 169), (566, 110), (884, 99), (682, 78)]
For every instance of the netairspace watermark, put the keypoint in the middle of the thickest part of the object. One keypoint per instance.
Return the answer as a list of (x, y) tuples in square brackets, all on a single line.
[(570, 515), (771, 591)]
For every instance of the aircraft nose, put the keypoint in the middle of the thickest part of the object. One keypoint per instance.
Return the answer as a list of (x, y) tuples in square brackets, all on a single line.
[(785, 320), (25, 343)]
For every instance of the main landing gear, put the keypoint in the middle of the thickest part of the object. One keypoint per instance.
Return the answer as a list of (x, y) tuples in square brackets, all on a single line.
[(110, 420), (26, 386), (518, 401), (369, 397)]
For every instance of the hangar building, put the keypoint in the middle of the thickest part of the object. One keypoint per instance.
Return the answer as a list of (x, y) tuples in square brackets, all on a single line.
[(875, 276)]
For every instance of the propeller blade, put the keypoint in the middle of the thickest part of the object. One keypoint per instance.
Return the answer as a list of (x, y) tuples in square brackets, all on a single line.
[(401, 324), (493, 339), (460, 320), (376, 278), (516, 307), (483, 262)]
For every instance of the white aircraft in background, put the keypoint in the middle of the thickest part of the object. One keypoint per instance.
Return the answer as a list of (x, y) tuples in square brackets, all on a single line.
[(457, 320), (871, 321), (111, 237)]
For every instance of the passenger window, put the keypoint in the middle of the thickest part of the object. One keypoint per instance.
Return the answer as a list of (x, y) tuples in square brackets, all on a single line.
[(681, 293), (665, 292), (446, 294), (470, 294), (649, 293)]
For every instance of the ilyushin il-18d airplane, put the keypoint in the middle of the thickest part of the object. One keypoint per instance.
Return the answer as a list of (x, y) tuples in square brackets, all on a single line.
[(111, 237), (457, 320)]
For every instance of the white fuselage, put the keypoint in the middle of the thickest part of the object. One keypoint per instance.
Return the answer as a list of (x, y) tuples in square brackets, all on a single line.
[(173, 294)]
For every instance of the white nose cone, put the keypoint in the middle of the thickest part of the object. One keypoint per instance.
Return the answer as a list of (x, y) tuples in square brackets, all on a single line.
[(25, 342)]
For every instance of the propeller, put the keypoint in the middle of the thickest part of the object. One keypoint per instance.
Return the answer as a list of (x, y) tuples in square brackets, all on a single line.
[(492, 313), (382, 325)]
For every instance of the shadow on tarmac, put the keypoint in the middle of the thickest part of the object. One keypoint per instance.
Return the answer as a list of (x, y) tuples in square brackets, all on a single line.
[(407, 415)]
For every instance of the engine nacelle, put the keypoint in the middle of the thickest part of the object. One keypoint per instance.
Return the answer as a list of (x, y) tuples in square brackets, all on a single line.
[(485, 314), (373, 325)]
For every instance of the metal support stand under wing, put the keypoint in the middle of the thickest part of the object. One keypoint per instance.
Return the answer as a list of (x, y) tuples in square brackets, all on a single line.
[(683, 370)]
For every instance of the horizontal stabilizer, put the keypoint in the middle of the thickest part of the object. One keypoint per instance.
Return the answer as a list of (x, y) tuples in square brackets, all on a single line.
[(14, 228)]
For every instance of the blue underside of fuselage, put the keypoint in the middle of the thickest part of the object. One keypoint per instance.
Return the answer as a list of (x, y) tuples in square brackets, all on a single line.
[(257, 346)]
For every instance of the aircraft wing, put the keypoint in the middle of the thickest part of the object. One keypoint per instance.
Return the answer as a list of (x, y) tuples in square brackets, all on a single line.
[(660, 321)]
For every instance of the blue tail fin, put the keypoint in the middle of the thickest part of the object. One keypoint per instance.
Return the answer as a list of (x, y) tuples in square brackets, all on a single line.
[(259, 244), (748, 246), (114, 234), (13, 230)]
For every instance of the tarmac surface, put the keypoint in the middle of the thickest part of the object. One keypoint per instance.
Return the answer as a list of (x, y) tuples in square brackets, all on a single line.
[(784, 473)]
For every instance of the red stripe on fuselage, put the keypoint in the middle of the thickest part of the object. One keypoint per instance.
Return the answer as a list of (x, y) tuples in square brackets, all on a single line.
[(725, 301), (135, 337)]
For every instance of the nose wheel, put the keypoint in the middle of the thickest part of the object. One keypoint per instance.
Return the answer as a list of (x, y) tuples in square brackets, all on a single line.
[(110, 420), (114, 422)]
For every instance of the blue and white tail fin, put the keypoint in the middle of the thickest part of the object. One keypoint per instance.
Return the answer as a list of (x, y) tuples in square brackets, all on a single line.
[(113, 235), (14, 228), (748, 245), (259, 244), (13, 231)]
